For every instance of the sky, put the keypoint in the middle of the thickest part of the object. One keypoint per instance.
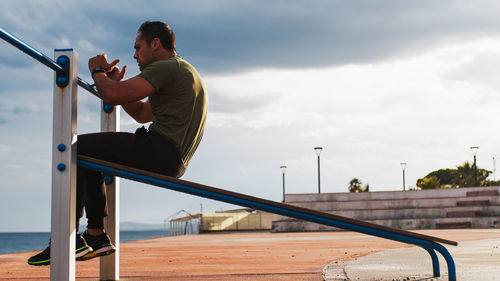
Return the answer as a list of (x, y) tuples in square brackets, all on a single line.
[(375, 83)]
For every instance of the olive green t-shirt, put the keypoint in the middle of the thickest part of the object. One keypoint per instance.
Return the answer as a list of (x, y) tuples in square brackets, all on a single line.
[(179, 104)]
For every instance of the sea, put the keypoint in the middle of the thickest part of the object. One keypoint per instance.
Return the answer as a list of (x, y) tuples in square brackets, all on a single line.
[(14, 242)]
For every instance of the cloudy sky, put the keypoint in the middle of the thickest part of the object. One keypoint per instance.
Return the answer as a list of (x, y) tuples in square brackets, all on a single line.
[(375, 83)]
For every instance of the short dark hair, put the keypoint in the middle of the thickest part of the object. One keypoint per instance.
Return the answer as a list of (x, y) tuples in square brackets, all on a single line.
[(156, 29)]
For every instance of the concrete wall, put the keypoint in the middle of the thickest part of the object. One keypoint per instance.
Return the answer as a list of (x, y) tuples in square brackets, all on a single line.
[(232, 221)]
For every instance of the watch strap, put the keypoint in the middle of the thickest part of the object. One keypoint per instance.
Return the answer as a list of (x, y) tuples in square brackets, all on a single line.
[(97, 69)]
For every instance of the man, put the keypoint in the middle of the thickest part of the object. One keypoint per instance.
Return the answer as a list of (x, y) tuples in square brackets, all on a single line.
[(170, 94)]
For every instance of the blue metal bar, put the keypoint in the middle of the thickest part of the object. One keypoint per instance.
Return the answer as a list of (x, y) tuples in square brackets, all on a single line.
[(34, 53), (84, 84), (435, 262), (277, 208), (16, 42)]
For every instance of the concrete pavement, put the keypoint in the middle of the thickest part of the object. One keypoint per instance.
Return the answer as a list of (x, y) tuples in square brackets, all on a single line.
[(475, 260), (280, 256)]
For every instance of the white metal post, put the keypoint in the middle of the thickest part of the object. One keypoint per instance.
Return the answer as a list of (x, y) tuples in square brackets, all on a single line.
[(63, 229), (110, 265)]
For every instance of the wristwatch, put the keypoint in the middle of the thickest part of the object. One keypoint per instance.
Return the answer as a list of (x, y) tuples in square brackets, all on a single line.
[(97, 69)]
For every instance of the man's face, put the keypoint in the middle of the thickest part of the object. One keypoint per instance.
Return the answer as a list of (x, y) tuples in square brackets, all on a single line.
[(143, 53)]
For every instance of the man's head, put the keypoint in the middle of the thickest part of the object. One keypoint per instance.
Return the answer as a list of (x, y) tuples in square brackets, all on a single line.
[(155, 41)]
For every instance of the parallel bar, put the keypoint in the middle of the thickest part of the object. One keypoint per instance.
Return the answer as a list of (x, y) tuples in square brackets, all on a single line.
[(424, 241), (84, 84), (34, 53)]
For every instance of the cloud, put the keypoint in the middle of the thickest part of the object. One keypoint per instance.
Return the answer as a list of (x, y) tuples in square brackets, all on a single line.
[(366, 116), (223, 103), (228, 36), (24, 111), (296, 34), (477, 68)]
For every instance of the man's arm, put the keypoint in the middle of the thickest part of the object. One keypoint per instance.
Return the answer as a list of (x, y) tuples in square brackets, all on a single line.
[(139, 110), (112, 90), (122, 92)]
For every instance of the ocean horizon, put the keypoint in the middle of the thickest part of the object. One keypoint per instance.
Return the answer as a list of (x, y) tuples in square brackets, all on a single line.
[(16, 242)]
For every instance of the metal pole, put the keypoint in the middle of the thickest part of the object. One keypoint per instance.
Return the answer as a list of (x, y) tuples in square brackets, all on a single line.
[(63, 211), (283, 187), (404, 185), (319, 176), (34, 53), (475, 171), (494, 169), (110, 265), (27, 49), (283, 170), (318, 150), (403, 165)]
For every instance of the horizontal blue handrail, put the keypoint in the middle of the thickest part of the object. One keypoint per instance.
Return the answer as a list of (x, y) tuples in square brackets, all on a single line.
[(34, 53), (426, 242)]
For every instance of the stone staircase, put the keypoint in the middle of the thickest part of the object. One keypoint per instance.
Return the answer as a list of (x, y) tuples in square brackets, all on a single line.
[(475, 207)]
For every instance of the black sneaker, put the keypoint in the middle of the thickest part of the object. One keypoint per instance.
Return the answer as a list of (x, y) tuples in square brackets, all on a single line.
[(43, 258), (101, 246)]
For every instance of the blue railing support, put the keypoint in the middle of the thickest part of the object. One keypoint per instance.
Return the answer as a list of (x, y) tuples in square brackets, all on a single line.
[(435, 262), (424, 241)]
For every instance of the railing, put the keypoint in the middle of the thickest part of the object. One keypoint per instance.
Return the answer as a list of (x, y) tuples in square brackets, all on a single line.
[(64, 176)]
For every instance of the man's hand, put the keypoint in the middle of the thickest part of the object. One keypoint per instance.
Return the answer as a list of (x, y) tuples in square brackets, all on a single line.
[(116, 74), (112, 89), (102, 61)]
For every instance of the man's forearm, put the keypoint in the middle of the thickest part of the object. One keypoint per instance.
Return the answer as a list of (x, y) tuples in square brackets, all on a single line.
[(137, 110), (105, 88)]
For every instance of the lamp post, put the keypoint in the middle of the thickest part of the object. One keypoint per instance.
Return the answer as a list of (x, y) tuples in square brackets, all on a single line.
[(494, 169), (318, 152), (283, 170), (403, 165), (474, 152)]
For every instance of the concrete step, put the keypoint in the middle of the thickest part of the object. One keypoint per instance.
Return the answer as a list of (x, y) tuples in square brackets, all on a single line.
[(475, 222), (325, 206), (293, 225), (454, 225), (416, 213), (393, 195), (492, 192), (476, 207), (473, 203), (463, 214)]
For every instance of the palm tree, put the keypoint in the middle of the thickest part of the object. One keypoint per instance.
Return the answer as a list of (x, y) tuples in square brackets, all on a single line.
[(465, 177), (355, 185)]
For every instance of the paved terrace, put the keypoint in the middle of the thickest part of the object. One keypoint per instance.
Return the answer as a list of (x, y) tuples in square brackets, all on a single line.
[(277, 256)]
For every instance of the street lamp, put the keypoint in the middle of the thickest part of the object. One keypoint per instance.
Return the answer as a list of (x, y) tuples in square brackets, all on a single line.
[(283, 170), (318, 152), (474, 152), (403, 165), (494, 169)]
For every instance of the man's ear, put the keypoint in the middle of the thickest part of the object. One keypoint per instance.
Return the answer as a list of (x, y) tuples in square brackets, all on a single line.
[(156, 43)]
